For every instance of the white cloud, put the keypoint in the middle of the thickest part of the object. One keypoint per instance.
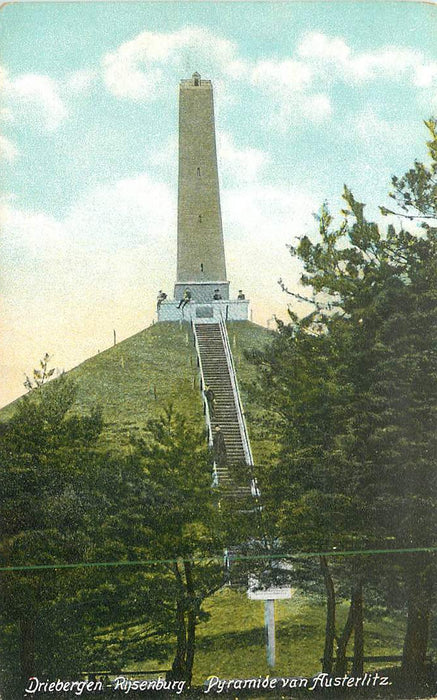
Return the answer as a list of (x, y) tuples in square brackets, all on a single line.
[(426, 75), (110, 223), (34, 96), (141, 69), (145, 68), (42, 93), (167, 155), (32, 233), (6, 115), (388, 63), (97, 269), (269, 214), (289, 85), (379, 133), (8, 150), (239, 165), (3, 78), (100, 267), (317, 107), (311, 108), (260, 220), (128, 212), (332, 58), (317, 46), (39, 99), (80, 81), (279, 75)]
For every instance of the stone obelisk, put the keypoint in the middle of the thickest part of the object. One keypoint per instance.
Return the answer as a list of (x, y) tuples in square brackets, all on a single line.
[(201, 292), (200, 253)]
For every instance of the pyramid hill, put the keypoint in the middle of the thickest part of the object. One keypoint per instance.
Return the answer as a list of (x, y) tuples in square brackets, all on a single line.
[(136, 379)]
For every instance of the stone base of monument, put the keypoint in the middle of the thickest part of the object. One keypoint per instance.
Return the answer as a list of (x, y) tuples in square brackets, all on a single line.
[(202, 291), (212, 312)]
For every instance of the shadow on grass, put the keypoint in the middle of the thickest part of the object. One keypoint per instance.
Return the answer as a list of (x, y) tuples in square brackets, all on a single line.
[(232, 640), (255, 636)]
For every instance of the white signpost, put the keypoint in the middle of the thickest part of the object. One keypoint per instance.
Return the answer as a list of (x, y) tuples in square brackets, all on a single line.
[(269, 595), (273, 593)]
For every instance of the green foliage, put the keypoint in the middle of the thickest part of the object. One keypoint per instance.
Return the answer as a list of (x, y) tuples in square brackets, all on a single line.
[(64, 502), (41, 375), (416, 192), (176, 464), (183, 523), (351, 390), (357, 387)]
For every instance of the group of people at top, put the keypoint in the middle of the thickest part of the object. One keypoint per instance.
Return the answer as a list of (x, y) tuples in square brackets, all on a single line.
[(162, 296)]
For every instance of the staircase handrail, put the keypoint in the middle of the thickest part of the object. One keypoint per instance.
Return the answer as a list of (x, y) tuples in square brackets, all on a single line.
[(236, 392), (205, 402), (202, 379)]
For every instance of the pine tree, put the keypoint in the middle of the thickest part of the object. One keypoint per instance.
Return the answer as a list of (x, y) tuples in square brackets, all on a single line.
[(183, 525), (353, 391)]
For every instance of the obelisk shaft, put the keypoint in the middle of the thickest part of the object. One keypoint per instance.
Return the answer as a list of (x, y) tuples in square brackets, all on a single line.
[(201, 263)]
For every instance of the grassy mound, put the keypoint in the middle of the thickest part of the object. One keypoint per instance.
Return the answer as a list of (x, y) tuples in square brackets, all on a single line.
[(137, 378)]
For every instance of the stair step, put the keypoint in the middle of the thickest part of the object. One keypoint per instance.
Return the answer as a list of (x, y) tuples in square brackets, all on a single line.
[(217, 376)]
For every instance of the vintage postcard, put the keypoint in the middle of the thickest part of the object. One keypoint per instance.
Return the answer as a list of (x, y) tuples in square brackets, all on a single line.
[(219, 349)]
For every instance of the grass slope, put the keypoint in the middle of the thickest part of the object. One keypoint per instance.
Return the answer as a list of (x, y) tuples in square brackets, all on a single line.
[(137, 378), (231, 643)]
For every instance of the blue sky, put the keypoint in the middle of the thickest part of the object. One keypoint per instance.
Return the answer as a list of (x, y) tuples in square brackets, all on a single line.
[(308, 96)]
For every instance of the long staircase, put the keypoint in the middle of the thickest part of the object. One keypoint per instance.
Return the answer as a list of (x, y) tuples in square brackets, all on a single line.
[(218, 373)]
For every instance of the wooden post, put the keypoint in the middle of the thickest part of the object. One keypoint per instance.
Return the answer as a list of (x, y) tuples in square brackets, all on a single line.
[(269, 623), (115, 338)]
